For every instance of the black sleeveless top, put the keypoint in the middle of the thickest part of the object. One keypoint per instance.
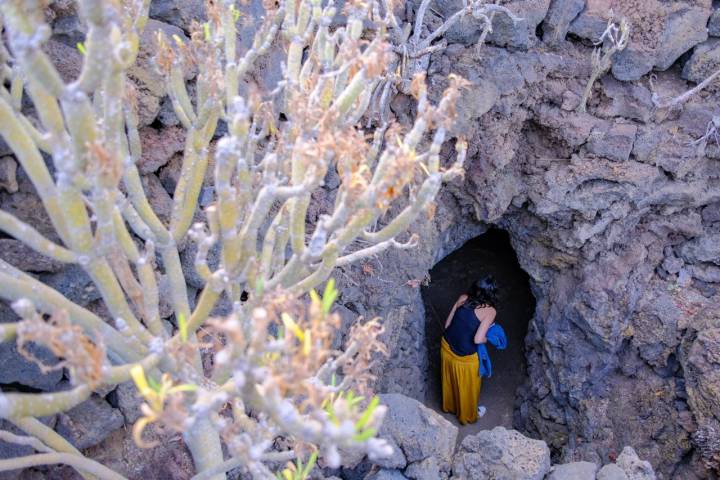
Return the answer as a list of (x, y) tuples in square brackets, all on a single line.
[(460, 335)]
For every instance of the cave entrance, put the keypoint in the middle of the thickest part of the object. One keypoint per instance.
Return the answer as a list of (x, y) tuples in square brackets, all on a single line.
[(489, 253)]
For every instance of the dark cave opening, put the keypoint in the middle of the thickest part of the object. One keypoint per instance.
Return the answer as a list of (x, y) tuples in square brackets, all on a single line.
[(489, 253)]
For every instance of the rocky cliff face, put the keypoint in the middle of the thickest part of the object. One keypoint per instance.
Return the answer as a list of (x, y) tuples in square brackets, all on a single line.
[(614, 213)]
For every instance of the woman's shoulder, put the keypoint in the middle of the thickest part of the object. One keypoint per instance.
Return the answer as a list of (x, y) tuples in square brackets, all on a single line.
[(485, 310), (461, 299)]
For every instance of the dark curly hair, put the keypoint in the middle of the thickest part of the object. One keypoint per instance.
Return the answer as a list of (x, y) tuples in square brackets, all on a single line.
[(482, 293)]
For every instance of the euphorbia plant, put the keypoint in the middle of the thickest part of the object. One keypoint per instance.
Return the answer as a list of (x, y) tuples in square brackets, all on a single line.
[(267, 369)]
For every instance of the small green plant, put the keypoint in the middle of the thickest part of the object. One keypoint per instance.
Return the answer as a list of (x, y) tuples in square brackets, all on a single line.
[(298, 470)]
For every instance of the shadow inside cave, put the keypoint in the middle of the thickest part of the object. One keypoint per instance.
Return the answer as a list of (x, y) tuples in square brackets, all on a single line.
[(489, 253)]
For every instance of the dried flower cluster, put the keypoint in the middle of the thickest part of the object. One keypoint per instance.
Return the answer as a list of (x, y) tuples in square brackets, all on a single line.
[(614, 39), (266, 374)]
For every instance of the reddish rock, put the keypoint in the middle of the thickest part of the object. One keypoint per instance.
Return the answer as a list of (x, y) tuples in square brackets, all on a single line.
[(27, 207), (67, 60), (158, 147), (8, 169), (149, 82), (169, 460), (158, 197), (25, 258)]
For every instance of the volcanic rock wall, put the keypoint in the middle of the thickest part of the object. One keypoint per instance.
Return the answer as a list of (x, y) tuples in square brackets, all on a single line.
[(614, 214)]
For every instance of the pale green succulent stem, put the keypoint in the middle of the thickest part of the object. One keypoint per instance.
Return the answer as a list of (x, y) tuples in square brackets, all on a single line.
[(121, 373), (78, 462), (34, 61), (80, 118), (17, 285), (191, 179), (204, 444), (321, 274), (206, 302), (16, 89), (8, 331), (114, 297), (348, 96), (33, 164), (179, 95), (400, 223), (48, 110), (49, 437), (19, 405), (34, 239)]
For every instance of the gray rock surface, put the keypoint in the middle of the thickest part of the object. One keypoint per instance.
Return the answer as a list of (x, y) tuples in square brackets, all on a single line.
[(681, 33), (23, 257), (615, 142), (425, 470), (66, 59), (169, 460), (504, 31), (559, 16), (25, 205), (634, 468), (385, 474), (418, 431), (158, 147), (501, 453), (631, 64), (627, 100), (703, 249), (180, 14), (660, 32), (128, 402), (703, 62), (8, 170), (89, 423), (713, 25), (16, 369), (12, 450), (396, 460), (74, 284), (611, 472), (573, 471), (158, 197)]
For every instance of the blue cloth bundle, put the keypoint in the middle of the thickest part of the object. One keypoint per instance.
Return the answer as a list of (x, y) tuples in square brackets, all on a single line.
[(495, 337)]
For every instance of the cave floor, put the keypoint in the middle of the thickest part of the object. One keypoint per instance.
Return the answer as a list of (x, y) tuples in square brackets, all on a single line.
[(490, 253)]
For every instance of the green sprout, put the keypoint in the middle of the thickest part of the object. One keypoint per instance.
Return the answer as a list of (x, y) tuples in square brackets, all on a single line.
[(298, 470), (206, 29), (330, 294), (362, 431), (183, 328)]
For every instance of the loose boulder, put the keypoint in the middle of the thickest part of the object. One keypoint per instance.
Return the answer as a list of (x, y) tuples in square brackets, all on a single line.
[(418, 431), (573, 471), (634, 468), (501, 453)]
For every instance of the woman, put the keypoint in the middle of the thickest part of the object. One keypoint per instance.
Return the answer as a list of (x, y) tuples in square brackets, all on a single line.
[(467, 325)]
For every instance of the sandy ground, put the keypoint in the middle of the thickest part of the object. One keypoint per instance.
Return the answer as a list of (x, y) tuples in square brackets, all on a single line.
[(490, 253)]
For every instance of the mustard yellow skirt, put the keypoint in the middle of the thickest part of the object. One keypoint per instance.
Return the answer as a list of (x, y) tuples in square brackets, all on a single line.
[(460, 384)]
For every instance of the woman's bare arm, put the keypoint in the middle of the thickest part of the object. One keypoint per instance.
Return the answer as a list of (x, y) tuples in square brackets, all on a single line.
[(461, 299), (487, 318)]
